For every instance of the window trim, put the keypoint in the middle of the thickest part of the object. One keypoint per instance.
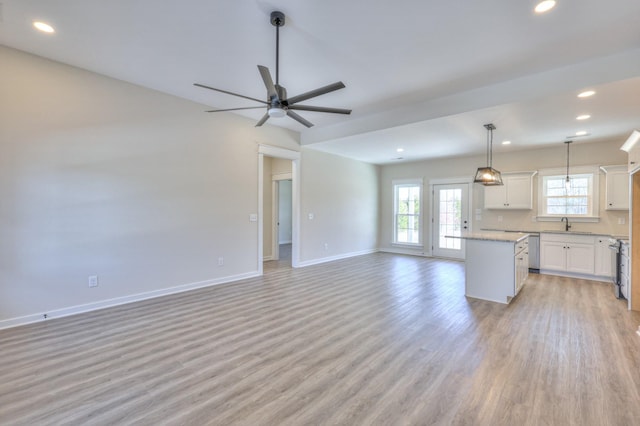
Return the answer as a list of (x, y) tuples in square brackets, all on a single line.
[(594, 171), (407, 182)]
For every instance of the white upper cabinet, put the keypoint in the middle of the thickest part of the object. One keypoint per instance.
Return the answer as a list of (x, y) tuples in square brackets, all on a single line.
[(632, 147), (617, 187), (516, 193)]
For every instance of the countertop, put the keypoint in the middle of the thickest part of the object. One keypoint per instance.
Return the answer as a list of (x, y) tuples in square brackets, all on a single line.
[(558, 231), (507, 237)]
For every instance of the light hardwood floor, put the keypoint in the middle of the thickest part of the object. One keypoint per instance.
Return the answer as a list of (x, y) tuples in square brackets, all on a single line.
[(379, 339)]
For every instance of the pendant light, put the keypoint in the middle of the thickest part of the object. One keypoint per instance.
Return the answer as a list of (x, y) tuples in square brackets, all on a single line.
[(567, 182), (489, 176)]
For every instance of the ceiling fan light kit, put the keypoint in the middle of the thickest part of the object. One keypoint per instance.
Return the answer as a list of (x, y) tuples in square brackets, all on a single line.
[(277, 103), (488, 176)]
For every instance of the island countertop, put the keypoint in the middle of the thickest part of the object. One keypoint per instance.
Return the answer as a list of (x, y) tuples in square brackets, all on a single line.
[(507, 237)]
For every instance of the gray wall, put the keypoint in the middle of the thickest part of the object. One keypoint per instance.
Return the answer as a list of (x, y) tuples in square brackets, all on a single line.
[(145, 190)]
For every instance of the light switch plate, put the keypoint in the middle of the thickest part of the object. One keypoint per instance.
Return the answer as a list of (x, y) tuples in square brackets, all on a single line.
[(253, 217)]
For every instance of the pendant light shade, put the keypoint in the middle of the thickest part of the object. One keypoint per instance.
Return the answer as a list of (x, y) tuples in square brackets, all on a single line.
[(488, 176)]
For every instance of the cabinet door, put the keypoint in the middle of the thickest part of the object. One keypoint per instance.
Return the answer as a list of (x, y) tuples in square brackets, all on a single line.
[(514, 194), (617, 191), (580, 258), (495, 197), (519, 192), (552, 255), (603, 257), (522, 269)]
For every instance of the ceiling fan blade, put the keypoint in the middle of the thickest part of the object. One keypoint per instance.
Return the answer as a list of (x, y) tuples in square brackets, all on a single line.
[(268, 82), (299, 119), (233, 109), (262, 120), (320, 109), (317, 92), (230, 93)]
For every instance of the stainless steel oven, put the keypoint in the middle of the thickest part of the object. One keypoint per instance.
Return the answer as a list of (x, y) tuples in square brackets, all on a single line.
[(615, 245)]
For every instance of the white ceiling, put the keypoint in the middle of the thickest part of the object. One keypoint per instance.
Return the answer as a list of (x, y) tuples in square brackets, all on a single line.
[(420, 74)]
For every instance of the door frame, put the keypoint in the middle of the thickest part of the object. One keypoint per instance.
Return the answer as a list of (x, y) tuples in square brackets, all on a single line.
[(294, 156), (447, 181)]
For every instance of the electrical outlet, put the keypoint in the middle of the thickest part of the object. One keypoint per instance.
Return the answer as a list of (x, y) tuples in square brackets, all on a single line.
[(499, 218), (326, 246), (621, 221), (93, 281), (221, 261)]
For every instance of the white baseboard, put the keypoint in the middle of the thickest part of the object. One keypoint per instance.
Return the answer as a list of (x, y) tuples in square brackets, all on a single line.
[(73, 310), (411, 252), (573, 275), (337, 257), (267, 258)]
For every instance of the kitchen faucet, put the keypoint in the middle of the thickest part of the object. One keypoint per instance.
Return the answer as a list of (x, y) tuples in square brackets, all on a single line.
[(567, 226)]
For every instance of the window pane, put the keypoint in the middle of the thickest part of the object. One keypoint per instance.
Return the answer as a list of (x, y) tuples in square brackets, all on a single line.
[(407, 214), (450, 218), (560, 200)]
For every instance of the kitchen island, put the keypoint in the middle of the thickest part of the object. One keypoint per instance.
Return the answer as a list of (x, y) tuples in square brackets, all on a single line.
[(496, 265)]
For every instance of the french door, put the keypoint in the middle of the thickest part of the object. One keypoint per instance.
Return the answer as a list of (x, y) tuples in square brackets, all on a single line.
[(450, 218)]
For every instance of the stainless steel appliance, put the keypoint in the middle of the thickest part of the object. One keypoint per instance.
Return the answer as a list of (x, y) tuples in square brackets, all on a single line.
[(616, 245), (534, 252)]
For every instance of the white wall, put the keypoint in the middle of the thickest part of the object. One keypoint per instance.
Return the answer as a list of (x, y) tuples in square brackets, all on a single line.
[(603, 153), (143, 189), (329, 181)]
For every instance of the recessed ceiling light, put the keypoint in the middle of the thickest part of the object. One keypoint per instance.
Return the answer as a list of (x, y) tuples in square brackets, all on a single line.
[(43, 26), (506, 142), (545, 6), (583, 117), (586, 94), (400, 150), (581, 133)]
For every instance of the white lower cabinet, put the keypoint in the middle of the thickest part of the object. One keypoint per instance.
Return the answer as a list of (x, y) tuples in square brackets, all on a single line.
[(567, 253), (495, 270), (603, 258), (521, 264)]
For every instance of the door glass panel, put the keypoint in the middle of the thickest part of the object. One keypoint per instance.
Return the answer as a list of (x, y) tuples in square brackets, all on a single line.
[(450, 210)]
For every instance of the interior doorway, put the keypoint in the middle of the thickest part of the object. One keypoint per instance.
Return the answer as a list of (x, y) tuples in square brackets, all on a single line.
[(281, 218), (278, 208)]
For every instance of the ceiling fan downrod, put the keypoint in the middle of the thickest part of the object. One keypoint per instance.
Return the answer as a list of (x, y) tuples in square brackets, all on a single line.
[(277, 20)]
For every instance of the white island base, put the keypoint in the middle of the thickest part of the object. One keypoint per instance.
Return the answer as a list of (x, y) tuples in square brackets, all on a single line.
[(496, 265)]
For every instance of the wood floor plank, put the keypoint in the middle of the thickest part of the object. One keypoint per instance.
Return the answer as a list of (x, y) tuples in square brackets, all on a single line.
[(375, 339)]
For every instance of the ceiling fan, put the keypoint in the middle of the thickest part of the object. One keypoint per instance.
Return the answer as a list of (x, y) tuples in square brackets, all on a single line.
[(278, 105)]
